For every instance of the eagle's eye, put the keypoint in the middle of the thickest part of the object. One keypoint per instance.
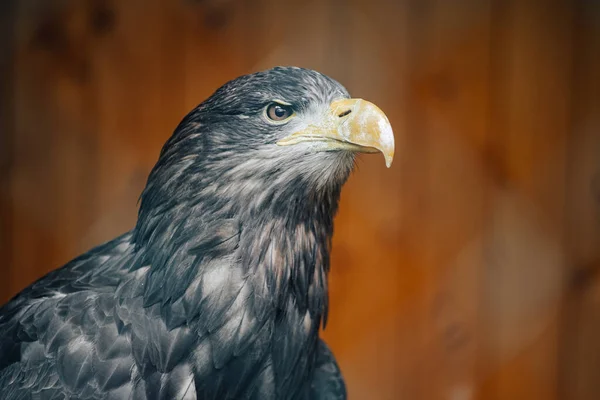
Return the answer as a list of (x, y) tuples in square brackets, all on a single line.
[(279, 112)]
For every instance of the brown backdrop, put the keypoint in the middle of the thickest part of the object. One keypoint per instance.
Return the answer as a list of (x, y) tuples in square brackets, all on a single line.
[(467, 271)]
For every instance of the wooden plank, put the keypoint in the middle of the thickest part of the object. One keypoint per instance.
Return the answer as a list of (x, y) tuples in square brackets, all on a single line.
[(580, 327), (7, 33), (139, 89), (214, 44), (580, 347), (525, 265), (450, 57), (54, 131), (299, 38)]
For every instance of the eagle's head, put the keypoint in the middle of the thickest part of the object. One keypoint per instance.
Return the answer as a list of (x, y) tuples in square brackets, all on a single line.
[(271, 140)]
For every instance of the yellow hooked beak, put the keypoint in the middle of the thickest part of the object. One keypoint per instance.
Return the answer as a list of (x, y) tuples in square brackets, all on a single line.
[(350, 124)]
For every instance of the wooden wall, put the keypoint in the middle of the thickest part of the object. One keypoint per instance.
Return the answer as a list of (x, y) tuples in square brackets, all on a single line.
[(469, 270)]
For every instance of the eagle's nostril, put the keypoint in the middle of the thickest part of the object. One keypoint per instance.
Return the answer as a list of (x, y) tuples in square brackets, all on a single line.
[(343, 114)]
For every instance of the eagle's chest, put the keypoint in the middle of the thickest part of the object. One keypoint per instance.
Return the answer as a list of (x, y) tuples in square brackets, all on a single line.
[(249, 349), (293, 350)]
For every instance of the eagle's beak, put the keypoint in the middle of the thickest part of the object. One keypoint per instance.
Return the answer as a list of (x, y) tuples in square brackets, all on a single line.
[(349, 124)]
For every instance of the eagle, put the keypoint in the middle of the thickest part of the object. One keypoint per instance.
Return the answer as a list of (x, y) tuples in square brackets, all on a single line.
[(221, 288)]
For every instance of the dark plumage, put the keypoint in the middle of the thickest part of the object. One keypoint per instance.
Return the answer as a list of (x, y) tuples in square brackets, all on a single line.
[(220, 289)]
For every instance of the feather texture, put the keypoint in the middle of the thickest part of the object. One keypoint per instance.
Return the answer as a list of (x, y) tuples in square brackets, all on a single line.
[(220, 289)]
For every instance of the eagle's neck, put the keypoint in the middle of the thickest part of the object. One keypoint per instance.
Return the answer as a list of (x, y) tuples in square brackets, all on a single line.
[(287, 247), (277, 226)]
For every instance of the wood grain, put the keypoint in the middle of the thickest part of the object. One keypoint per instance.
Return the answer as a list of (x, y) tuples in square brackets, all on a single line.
[(580, 326), (7, 74)]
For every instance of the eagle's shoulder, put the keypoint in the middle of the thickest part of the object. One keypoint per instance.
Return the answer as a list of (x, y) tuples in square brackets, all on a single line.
[(54, 332)]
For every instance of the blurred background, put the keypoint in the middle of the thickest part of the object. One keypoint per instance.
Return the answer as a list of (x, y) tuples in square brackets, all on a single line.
[(469, 270)]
